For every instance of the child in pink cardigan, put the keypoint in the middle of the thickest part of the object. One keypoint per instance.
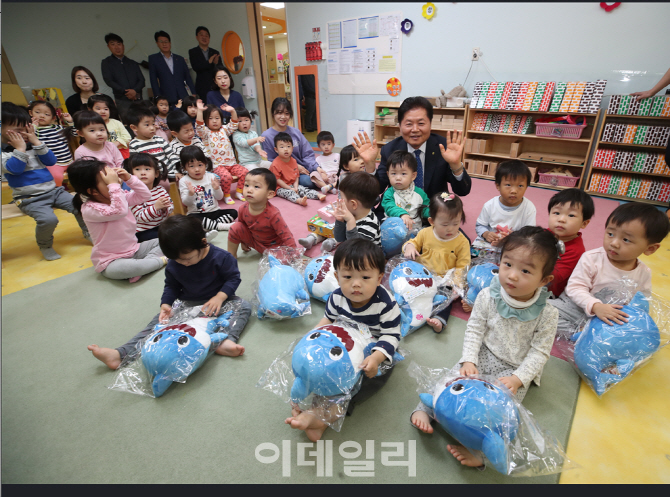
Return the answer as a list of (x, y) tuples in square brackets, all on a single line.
[(105, 208)]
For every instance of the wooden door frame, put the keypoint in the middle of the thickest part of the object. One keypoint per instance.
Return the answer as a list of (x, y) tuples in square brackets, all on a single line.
[(302, 71), (259, 62)]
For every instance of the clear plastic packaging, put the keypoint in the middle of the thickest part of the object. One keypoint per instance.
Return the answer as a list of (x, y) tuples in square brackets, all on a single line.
[(319, 371), (320, 277), (419, 292), (480, 273), (481, 413), (173, 351), (605, 355), (394, 234), (280, 291)]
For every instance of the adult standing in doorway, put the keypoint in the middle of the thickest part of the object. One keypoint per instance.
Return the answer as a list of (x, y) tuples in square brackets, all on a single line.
[(168, 72), (204, 61), (438, 158), (307, 93), (641, 95), (84, 84), (121, 74), (223, 93)]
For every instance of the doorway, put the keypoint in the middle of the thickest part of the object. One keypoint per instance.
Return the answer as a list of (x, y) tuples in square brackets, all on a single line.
[(309, 118)]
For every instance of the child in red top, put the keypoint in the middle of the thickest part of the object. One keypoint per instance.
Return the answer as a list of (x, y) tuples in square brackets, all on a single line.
[(285, 168), (259, 224), (570, 210)]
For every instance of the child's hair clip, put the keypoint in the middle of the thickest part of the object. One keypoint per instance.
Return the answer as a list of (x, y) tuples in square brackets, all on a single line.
[(446, 197)]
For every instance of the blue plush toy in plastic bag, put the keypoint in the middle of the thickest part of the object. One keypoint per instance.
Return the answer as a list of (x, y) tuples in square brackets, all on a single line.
[(419, 292), (394, 234), (280, 292), (320, 277), (481, 413), (321, 369), (605, 355), (173, 351)]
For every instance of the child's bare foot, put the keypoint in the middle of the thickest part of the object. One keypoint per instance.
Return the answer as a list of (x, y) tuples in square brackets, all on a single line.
[(110, 357), (322, 197), (435, 323), (245, 247), (229, 348), (302, 201), (422, 421), (466, 457), (310, 424)]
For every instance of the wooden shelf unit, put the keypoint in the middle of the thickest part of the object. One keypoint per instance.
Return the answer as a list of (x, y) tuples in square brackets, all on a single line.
[(531, 143), (625, 119), (382, 129)]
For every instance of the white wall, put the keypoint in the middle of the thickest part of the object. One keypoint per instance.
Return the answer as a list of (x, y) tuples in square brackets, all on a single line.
[(520, 42), (43, 49)]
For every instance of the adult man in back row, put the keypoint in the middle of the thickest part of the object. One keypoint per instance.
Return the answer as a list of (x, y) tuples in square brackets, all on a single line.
[(168, 72), (205, 61), (438, 159), (121, 74)]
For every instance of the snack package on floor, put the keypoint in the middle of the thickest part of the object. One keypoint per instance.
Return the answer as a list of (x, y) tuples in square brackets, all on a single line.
[(394, 234), (420, 293), (280, 291), (481, 413), (604, 355), (320, 372), (173, 351), (320, 277)]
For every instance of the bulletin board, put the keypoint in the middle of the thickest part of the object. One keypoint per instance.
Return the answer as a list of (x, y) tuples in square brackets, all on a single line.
[(365, 68)]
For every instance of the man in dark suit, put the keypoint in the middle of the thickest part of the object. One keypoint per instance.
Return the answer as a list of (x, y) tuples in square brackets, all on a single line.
[(439, 158), (205, 61), (121, 74), (168, 72)]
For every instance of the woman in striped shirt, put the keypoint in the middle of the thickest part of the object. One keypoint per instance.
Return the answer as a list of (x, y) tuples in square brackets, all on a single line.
[(53, 135)]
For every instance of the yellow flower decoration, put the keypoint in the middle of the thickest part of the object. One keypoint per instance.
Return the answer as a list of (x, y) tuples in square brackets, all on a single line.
[(428, 10)]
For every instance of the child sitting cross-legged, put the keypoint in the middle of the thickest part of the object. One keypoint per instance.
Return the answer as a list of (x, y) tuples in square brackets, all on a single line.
[(631, 230), (250, 152), (183, 135), (570, 210), (198, 274), (442, 246), (354, 217), (259, 224), (359, 268), (404, 199), (328, 162), (511, 330), (285, 168)]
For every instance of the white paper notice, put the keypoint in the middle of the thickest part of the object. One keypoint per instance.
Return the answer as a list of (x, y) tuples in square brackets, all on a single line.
[(389, 26), (333, 62), (370, 60), (365, 60), (394, 45), (387, 64), (346, 61), (368, 27), (350, 33), (334, 35)]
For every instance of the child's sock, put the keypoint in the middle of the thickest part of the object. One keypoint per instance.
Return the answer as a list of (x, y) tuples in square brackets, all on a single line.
[(49, 254), (326, 188), (310, 240), (228, 200), (329, 244), (164, 260), (211, 235), (238, 195), (223, 226)]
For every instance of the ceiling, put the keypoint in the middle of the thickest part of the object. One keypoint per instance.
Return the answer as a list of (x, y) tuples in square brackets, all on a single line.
[(274, 23)]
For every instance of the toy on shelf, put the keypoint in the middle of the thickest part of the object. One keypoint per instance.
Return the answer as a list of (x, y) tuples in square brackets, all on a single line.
[(320, 277), (281, 292)]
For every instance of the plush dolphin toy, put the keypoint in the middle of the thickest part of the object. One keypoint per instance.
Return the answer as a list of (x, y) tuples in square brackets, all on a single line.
[(393, 234), (415, 290), (326, 361), (279, 292), (479, 414), (320, 277), (605, 354), (479, 277), (172, 352)]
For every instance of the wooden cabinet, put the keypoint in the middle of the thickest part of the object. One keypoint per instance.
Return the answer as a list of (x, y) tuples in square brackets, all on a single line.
[(484, 150)]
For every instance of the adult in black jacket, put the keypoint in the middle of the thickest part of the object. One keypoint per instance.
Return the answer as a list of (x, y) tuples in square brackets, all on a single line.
[(204, 61), (440, 157), (122, 75)]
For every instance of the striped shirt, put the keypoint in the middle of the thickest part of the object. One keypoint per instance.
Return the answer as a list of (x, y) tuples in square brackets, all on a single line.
[(173, 150), (155, 146), (52, 136), (366, 227), (146, 215), (381, 315)]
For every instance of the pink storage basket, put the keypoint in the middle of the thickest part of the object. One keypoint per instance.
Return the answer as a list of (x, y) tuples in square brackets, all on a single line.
[(571, 131), (558, 180)]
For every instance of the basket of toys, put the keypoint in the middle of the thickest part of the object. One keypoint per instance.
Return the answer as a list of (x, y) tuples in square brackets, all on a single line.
[(560, 127), (558, 176)]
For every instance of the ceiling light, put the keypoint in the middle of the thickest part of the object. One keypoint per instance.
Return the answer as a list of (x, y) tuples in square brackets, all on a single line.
[(265, 27), (273, 5), (269, 36), (284, 33)]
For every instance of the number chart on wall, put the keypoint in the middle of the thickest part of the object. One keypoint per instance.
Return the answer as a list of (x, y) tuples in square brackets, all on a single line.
[(363, 53)]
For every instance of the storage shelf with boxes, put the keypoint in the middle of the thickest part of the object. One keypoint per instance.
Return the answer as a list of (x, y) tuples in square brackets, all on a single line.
[(505, 129)]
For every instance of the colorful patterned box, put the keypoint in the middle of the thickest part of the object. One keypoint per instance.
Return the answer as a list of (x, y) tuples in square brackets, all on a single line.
[(657, 106), (517, 123), (597, 97), (633, 107), (598, 158), (608, 132), (640, 134), (513, 96), (505, 119), (659, 167), (476, 93), (479, 121), (629, 135), (595, 180), (495, 122), (587, 97), (505, 95), (623, 105), (489, 120), (567, 98), (483, 94), (605, 182), (500, 89), (640, 158), (537, 98), (645, 185), (650, 162), (548, 95), (613, 186), (629, 160), (623, 185), (521, 97), (645, 107), (665, 192), (530, 94), (613, 106), (526, 126), (488, 101), (666, 108), (619, 133), (634, 187), (577, 96)]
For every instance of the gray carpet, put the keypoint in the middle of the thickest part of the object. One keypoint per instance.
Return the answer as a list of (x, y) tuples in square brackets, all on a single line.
[(60, 424)]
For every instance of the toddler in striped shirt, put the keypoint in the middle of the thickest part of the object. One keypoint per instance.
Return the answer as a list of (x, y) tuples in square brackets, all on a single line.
[(53, 135), (149, 215)]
